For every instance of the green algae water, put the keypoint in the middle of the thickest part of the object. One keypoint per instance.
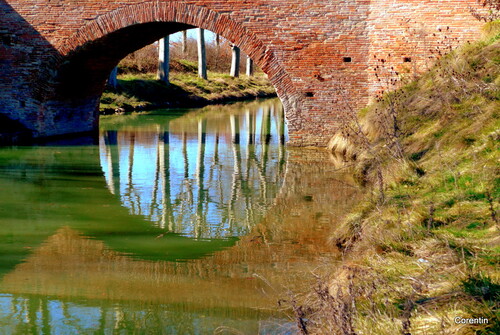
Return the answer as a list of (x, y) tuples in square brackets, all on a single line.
[(174, 222)]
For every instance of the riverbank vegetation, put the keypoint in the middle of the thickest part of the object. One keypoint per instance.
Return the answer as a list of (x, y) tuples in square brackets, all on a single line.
[(423, 248), (139, 89)]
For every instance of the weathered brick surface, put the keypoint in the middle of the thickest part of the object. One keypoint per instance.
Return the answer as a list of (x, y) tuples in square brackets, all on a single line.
[(55, 54)]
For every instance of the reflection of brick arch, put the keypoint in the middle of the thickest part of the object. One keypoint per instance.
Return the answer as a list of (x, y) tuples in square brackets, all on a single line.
[(192, 15)]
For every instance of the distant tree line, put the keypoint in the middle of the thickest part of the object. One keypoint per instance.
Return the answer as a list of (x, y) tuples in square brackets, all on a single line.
[(183, 55)]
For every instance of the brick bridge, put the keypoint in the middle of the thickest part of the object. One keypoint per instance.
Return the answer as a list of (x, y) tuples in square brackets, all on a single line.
[(55, 55)]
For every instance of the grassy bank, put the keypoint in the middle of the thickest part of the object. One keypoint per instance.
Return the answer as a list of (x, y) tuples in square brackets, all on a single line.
[(142, 91), (423, 247)]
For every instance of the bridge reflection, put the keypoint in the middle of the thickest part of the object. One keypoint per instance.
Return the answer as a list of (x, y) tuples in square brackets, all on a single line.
[(100, 269), (200, 176), (73, 283)]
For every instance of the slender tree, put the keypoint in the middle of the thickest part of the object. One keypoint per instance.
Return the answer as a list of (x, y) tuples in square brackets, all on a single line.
[(236, 182), (164, 60), (184, 43), (201, 219), (202, 54), (217, 48), (235, 62), (112, 156), (249, 67)]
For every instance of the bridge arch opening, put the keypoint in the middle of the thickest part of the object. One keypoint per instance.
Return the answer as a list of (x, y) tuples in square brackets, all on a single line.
[(90, 53)]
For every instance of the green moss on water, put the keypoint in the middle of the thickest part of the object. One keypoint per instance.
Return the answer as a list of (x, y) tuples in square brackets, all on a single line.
[(51, 188)]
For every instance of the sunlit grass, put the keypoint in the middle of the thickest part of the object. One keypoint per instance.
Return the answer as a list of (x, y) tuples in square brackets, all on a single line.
[(432, 241), (141, 91)]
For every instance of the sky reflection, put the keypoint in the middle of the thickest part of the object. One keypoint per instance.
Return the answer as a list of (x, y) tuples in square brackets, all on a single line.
[(202, 175)]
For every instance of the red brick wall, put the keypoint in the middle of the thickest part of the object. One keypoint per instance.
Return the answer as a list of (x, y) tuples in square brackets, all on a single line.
[(300, 44), (415, 30)]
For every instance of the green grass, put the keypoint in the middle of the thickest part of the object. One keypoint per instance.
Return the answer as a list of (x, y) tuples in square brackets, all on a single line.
[(186, 89), (433, 238)]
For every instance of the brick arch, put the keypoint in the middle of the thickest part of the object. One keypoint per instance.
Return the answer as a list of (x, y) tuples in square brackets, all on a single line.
[(180, 16), (302, 45)]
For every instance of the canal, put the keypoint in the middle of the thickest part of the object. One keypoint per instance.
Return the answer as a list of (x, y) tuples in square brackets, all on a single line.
[(176, 222)]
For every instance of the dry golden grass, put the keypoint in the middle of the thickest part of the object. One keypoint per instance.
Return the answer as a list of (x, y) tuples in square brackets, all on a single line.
[(427, 250)]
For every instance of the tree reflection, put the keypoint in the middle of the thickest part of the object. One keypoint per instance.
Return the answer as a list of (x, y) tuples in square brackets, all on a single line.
[(203, 175), (33, 314), (105, 271)]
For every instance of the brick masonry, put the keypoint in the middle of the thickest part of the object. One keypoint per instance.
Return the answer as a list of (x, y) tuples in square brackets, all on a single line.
[(55, 55)]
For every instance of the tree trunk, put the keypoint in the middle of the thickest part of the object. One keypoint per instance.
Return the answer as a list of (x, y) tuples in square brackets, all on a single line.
[(202, 55), (217, 52), (201, 218), (249, 71), (235, 62), (164, 60), (184, 43)]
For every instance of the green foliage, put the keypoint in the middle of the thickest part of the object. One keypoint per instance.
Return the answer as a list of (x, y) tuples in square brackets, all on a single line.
[(482, 287), (418, 155)]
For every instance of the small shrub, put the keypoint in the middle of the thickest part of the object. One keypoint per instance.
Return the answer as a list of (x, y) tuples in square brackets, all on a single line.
[(489, 11), (469, 140), (450, 202), (474, 225), (418, 155), (475, 196), (482, 287)]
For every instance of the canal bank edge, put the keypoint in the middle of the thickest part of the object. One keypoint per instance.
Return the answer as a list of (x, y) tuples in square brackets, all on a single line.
[(140, 92), (422, 248)]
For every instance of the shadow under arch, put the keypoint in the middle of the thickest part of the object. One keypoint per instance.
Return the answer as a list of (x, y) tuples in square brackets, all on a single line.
[(91, 52)]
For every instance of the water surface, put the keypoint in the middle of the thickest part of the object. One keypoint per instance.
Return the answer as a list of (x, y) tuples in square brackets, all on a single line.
[(176, 222)]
